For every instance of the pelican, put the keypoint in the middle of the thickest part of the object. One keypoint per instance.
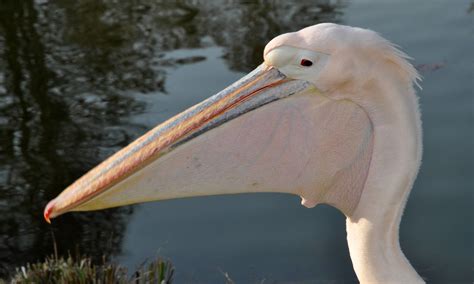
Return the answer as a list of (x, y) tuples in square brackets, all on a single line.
[(330, 115)]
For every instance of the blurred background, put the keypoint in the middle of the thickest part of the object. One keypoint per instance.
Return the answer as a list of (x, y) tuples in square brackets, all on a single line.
[(81, 79)]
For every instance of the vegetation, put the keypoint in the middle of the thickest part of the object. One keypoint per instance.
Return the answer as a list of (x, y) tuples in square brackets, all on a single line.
[(82, 270)]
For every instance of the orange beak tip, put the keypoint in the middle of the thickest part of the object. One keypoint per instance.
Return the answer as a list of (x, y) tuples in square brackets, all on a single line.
[(47, 219), (47, 212)]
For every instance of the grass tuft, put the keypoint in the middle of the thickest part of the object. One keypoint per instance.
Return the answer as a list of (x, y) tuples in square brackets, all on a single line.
[(82, 270)]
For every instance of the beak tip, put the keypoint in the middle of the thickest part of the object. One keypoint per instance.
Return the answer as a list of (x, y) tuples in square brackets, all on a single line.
[(48, 210)]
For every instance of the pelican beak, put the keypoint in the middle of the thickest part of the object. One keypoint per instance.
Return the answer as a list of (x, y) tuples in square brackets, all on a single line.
[(260, 87)]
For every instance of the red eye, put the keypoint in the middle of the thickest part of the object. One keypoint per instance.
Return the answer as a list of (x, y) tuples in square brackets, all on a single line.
[(306, 62)]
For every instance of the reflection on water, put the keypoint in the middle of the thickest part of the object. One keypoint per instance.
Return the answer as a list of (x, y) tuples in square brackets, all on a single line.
[(81, 79)]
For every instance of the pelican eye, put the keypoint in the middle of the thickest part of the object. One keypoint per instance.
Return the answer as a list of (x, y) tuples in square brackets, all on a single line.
[(306, 62)]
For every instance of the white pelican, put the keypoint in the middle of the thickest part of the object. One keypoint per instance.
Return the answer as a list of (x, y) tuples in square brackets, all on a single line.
[(331, 115)]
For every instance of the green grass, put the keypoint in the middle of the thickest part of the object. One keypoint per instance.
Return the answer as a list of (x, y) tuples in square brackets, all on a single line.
[(82, 270)]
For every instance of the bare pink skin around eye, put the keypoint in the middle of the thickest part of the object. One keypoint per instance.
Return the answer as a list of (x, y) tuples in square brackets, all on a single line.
[(302, 145)]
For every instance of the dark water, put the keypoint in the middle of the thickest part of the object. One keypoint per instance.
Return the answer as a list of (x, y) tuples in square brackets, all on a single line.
[(81, 79)]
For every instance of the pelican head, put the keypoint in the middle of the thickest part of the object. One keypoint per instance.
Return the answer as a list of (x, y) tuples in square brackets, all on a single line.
[(330, 115)]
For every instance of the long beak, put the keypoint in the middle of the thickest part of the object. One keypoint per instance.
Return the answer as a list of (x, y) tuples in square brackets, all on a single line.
[(262, 86)]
